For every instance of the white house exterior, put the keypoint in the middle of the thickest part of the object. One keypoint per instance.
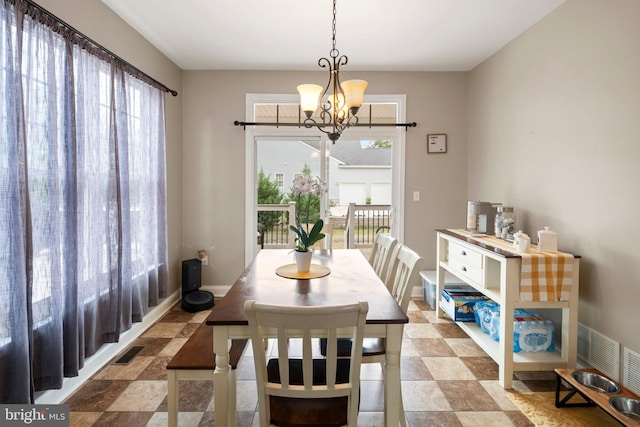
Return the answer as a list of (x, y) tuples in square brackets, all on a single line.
[(357, 173)]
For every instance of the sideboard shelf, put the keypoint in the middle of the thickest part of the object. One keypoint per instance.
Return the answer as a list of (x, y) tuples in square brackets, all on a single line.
[(495, 272)]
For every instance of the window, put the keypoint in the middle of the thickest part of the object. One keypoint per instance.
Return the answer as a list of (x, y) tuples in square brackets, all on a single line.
[(83, 238), (280, 180)]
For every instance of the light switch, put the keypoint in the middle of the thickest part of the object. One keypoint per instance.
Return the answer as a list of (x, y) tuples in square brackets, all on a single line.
[(416, 196)]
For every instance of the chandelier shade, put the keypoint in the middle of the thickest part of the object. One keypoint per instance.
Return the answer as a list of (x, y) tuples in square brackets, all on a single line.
[(354, 93), (309, 97)]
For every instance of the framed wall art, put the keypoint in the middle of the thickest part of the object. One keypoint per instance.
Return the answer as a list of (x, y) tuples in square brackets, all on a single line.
[(437, 143)]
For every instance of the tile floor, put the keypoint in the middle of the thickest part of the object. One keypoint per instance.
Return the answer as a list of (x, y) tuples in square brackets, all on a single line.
[(446, 381)]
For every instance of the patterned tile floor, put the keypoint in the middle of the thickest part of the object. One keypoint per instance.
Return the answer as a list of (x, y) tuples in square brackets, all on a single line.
[(446, 381)]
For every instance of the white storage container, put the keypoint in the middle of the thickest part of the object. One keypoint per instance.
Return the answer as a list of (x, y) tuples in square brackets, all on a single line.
[(429, 285)]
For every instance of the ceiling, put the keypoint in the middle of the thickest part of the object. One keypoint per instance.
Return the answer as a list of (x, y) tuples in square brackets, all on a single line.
[(376, 35)]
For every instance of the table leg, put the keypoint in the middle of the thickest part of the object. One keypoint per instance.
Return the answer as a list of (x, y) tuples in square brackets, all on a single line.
[(221, 376), (172, 398), (392, 384), (231, 415)]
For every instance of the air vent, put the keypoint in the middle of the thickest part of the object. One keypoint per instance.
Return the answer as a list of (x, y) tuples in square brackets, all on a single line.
[(128, 356), (599, 351), (631, 370)]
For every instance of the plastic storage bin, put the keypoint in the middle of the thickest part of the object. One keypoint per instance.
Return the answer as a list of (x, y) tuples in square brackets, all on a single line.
[(429, 285)]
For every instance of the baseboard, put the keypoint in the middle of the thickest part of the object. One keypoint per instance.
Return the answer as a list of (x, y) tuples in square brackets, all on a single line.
[(94, 363), (417, 292), (218, 291)]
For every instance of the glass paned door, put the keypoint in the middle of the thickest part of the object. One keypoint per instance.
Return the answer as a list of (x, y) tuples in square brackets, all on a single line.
[(357, 187)]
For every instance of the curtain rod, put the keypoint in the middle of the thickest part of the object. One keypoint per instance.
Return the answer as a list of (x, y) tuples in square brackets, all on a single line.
[(305, 125), (88, 39)]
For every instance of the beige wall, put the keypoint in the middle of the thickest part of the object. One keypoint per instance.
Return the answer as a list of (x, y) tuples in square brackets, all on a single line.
[(214, 157), (97, 21), (554, 129)]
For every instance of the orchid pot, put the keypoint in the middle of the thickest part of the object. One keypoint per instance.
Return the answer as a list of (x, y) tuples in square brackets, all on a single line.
[(303, 260)]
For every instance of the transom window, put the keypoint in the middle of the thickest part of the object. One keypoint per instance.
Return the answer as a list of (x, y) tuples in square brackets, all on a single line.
[(292, 113)]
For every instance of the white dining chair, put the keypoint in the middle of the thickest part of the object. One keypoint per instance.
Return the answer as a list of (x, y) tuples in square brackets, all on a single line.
[(405, 273), (307, 391), (381, 253), (392, 265)]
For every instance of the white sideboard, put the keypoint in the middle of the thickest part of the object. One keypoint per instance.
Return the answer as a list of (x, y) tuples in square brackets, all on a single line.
[(495, 271)]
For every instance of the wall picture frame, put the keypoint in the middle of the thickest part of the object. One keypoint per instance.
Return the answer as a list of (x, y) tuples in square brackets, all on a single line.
[(437, 143)]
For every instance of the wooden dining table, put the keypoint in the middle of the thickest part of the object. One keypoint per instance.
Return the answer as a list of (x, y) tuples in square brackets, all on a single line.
[(350, 279)]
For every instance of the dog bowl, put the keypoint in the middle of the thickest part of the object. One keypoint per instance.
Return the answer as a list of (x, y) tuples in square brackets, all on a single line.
[(596, 382), (627, 406)]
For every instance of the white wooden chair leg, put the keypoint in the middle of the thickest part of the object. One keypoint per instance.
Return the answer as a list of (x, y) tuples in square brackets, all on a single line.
[(403, 417)]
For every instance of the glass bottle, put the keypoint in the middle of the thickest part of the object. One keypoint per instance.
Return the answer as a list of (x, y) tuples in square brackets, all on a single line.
[(497, 224), (507, 222)]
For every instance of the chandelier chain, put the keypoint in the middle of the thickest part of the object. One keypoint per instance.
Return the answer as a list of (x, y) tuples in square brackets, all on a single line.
[(334, 52)]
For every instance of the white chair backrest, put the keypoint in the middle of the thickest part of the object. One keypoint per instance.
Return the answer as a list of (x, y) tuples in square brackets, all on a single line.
[(327, 242), (392, 266), (284, 322), (381, 253), (404, 275)]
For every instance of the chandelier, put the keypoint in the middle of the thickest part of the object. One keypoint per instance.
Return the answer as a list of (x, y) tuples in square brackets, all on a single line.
[(338, 102)]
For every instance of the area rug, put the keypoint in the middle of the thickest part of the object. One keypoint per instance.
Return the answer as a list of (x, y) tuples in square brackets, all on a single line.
[(541, 410)]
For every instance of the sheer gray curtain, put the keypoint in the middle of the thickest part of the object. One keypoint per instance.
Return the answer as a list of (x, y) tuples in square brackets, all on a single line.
[(83, 244)]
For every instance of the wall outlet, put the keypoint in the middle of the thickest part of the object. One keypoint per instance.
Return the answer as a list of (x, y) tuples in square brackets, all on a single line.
[(416, 196), (203, 256)]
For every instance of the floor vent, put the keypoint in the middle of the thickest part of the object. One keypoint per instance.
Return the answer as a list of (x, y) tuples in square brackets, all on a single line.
[(631, 370), (599, 351), (129, 355)]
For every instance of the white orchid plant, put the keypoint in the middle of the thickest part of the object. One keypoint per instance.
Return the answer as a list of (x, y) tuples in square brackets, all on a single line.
[(307, 186)]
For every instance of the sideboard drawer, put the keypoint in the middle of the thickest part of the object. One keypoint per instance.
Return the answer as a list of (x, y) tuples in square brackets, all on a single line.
[(464, 255), (473, 274)]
